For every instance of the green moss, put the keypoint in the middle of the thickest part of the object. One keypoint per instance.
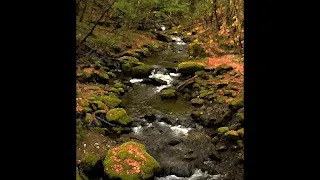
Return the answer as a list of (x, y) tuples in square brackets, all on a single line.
[(197, 101), (241, 132), (99, 105), (119, 85), (132, 162), (89, 118), (190, 67), (237, 102), (232, 73), (153, 47), (115, 90), (196, 114), (83, 102), (190, 58), (141, 71), (240, 143), (89, 161), (238, 75), (87, 110), (115, 114), (126, 68), (227, 92), (111, 74), (222, 84), (93, 97), (196, 86), (205, 93), (121, 90), (221, 99), (201, 74), (168, 94), (125, 120), (223, 129), (111, 101), (128, 59), (117, 129), (119, 115)]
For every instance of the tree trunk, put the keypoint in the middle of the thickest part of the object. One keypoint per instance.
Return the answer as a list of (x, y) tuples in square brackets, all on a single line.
[(78, 8), (84, 39), (215, 14), (84, 10)]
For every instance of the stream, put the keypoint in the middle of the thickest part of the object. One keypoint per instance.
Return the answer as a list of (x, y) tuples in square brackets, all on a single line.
[(180, 145)]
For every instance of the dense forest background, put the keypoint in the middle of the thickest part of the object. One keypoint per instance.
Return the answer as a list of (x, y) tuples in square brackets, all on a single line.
[(221, 20)]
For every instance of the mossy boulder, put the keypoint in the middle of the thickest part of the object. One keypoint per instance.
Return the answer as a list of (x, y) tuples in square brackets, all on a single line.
[(168, 94), (196, 50), (190, 67), (89, 161), (141, 71), (197, 101), (130, 161), (119, 115), (237, 103), (111, 101), (223, 129)]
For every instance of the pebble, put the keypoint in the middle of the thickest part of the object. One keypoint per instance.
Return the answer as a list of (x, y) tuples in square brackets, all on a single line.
[(84, 145)]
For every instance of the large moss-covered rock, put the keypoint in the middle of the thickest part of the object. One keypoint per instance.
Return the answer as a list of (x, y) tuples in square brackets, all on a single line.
[(190, 67), (168, 94), (141, 71), (195, 50), (130, 161), (89, 161), (119, 115)]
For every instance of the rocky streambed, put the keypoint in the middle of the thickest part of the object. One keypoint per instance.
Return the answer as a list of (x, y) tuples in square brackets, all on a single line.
[(195, 132)]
